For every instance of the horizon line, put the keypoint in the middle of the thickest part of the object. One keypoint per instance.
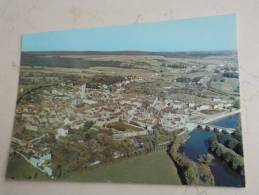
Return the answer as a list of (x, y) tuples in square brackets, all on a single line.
[(111, 51)]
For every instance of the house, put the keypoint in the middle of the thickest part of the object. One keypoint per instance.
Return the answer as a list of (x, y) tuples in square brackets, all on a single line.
[(191, 105), (61, 133), (204, 107)]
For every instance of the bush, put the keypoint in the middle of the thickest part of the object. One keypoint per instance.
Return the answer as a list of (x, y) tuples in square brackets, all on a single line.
[(191, 176), (237, 135), (231, 158), (228, 157), (207, 128), (206, 159), (88, 125)]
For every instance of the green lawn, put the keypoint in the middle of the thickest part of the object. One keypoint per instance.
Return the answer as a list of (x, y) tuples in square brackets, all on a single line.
[(20, 169), (154, 168)]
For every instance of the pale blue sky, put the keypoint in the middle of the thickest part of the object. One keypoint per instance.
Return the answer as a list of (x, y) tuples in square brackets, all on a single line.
[(198, 34)]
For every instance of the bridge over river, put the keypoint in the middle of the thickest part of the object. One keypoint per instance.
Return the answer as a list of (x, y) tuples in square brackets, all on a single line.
[(206, 123), (212, 127), (212, 118)]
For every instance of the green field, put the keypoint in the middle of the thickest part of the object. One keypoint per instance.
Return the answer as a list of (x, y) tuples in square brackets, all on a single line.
[(153, 168), (228, 86), (125, 126), (18, 168)]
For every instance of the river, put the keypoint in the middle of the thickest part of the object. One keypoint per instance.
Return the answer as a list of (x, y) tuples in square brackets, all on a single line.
[(197, 145)]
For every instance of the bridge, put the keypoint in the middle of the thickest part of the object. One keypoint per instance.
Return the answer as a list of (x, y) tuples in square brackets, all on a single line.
[(205, 123), (213, 127), (212, 118)]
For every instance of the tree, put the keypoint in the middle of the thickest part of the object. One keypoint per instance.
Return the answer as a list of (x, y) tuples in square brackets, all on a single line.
[(145, 104), (175, 147), (213, 145), (239, 149), (236, 104), (235, 163), (231, 143), (228, 157), (57, 171), (108, 152), (88, 125), (207, 128), (126, 148), (237, 135), (221, 138), (215, 129), (219, 152), (90, 134), (154, 138), (224, 132), (242, 171), (206, 159), (35, 176), (191, 176), (67, 157)]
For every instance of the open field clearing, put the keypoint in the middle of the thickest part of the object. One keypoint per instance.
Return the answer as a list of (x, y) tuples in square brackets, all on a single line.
[(18, 168), (153, 168)]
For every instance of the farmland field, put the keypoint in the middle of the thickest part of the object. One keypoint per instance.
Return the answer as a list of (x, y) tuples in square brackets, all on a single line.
[(154, 168), (229, 85), (18, 168)]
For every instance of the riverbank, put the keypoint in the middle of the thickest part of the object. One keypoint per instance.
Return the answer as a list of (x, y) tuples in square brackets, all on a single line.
[(218, 117), (198, 145), (189, 171)]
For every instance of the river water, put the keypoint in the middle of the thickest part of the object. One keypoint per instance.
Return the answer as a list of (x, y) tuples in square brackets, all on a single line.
[(197, 145)]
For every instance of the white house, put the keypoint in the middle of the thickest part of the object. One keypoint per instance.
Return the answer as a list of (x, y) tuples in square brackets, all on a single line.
[(204, 107), (61, 133)]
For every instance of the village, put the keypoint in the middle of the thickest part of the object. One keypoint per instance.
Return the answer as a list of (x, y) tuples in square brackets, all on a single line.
[(67, 107)]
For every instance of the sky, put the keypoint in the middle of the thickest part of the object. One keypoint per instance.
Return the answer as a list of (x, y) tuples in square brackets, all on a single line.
[(212, 33)]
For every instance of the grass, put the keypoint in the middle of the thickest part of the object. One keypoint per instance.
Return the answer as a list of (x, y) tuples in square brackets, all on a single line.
[(153, 168), (20, 169), (124, 126), (228, 86)]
